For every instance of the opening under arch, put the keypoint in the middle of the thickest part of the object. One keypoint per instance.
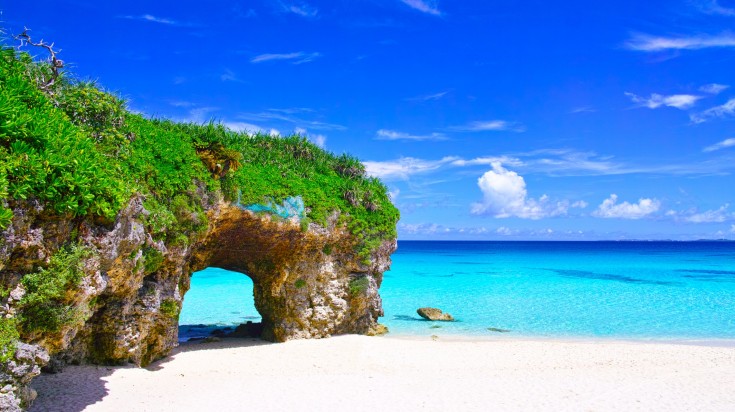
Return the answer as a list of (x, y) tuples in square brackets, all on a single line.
[(217, 301)]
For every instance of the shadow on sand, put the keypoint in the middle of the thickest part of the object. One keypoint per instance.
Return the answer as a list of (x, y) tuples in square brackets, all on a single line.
[(77, 387)]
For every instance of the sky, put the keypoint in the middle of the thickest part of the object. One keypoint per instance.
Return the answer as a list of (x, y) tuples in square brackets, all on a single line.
[(515, 120)]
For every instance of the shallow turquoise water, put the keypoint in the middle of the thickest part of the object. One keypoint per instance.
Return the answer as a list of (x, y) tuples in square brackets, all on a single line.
[(639, 290), (217, 299)]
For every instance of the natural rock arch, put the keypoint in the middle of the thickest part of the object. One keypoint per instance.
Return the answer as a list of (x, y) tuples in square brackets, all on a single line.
[(308, 282)]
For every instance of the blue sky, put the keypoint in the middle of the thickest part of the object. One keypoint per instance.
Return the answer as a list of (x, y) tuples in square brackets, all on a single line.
[(487, 120)]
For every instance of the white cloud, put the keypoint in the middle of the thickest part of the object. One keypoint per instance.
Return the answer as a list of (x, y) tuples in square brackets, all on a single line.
[(732, 229), (181, 103), (393, 194), (714, 7), (724, 110), (229, 76), (152, 19), (201, 114), (680, 101), (610, 208), (250, 128), (384, 134), (286, 115), (720, 145), (710, 216), (580, 204), (490, 125), (426, 98), (505, 195), (504, 231), (301, 9), (424, 6), (294, 58), (714, 88), (404, 167), (583, 109), (648, 43), (423, 228), (318, 139), (488, 161)]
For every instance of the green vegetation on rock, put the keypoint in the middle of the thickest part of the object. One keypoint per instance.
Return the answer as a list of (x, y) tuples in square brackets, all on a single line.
[(8, 338), (170, 308), (359, 285), (46, 306)]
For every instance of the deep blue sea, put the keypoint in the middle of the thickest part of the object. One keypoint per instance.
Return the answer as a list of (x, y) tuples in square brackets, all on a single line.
[(626, 290)]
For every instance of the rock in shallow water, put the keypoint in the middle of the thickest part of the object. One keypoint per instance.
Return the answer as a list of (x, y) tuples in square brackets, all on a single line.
[(498, 330), (434, 314)]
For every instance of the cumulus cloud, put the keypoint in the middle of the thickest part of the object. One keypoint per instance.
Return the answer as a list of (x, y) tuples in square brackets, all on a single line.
[(295, 57), (714, 88), (505, 195), (580, 204), (720, 145), (679, 101), (610, 208), (724, 110), (384, 134), (424, 6), (732, 229), (647, 43)]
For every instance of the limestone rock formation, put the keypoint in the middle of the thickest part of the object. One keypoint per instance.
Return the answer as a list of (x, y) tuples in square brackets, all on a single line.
[(308, 283), (434, 314)]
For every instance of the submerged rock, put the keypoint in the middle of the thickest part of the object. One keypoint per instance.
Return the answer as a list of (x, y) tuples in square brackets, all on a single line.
[(499, 330), (434, 314)]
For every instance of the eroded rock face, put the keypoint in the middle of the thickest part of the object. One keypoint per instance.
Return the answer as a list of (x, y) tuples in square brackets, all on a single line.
[(307, 283)]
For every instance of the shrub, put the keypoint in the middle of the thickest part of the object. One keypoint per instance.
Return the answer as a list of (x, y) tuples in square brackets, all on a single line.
[(152, 260), (8, 338), (46, 306), (359, 285)]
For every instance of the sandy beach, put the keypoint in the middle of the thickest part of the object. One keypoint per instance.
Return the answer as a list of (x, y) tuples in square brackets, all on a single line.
[(359, 373)]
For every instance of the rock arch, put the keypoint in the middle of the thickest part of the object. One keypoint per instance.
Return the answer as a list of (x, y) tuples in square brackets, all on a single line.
[(304, 279), (308, 283)]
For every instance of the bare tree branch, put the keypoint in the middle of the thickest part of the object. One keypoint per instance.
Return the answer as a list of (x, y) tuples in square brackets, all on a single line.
[(55, 63)]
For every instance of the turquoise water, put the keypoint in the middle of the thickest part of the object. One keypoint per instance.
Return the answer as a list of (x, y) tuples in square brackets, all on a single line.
[(217, 299), (638, 290)]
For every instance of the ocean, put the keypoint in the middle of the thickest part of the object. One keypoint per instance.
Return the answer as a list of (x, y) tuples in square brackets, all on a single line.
[(620, 290)]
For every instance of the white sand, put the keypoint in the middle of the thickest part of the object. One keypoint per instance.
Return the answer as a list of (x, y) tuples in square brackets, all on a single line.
[(357, 373)]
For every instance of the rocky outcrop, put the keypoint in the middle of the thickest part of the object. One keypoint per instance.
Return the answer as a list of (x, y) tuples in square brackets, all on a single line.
[(309, 282), (434, 314)]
